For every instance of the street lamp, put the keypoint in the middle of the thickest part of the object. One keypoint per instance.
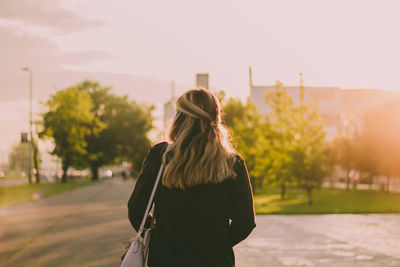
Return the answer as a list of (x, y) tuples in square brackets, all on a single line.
[(30, 124)]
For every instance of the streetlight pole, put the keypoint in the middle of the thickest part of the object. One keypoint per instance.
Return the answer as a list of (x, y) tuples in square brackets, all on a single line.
[(30, 124)]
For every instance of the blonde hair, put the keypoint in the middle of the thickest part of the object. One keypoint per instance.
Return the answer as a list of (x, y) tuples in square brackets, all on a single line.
[(200, 150)]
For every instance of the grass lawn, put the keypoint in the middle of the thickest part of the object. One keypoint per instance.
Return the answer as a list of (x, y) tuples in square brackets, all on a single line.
[(13, 195), (326, 201)]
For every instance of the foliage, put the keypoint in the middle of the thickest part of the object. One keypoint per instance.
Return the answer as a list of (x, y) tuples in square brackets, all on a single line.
[(67, 123), (250, 137), (92, 127), (282, 123), (309, 160), (298, 141), (287, 145), (119, 129)]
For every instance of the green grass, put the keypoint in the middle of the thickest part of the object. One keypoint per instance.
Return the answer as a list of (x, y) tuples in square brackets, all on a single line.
[(17, 194), (326, 201), (12, 178)]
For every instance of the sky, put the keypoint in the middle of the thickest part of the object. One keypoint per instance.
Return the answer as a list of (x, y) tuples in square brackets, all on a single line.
[(138, 47)]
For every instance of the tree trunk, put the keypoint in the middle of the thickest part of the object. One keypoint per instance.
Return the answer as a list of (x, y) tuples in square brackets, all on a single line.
[(347, 180), (370, 180), (387, 183), (354, 184), (283, 191), (95, 172), (65, 167), (36, 162), (309, 194), (331, 183)]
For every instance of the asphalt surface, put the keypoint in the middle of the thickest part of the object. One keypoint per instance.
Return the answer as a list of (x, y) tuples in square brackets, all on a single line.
[(86, 227)]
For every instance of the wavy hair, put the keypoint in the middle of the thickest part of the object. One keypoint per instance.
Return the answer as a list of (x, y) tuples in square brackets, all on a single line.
[(200, 150)]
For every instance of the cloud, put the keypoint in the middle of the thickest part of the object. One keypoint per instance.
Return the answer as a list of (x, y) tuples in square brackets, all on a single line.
[(42, 56), (47, 14), (77, 58), (17, 50)]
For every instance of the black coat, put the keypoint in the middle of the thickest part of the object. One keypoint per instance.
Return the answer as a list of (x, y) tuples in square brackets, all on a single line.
[(197, 226)]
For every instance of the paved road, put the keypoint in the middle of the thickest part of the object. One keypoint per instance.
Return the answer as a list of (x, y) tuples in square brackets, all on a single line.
[(86, 227)]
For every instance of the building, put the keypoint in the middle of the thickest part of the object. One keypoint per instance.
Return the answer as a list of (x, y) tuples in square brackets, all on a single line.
[(341, 109)]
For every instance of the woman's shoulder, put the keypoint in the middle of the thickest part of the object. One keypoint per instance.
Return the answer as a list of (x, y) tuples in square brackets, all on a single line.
[(160, 144), (239, 158), (158, 147)]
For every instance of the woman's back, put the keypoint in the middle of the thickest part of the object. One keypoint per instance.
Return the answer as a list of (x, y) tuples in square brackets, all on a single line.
[(196, 226)]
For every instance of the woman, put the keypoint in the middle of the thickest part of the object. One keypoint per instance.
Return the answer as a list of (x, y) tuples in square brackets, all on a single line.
[(204, 201)]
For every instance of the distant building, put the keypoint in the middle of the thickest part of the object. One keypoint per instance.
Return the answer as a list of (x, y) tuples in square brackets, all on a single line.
[(329, 99), (342, 110), (169, 112), (202, 80)]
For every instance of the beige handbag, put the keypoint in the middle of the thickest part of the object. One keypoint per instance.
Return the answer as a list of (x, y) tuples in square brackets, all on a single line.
[(138, 246)]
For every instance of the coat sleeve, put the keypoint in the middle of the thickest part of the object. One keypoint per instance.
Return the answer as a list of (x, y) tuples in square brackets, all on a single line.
[(242, 208), (141, 193)]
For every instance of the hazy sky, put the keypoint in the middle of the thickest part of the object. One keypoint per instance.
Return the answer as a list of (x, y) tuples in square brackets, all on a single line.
[(139, 46), (351, 44)]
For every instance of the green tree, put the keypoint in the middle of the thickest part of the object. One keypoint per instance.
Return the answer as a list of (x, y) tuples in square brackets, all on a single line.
[(282, 122), (119, 128), (250, 137), (299, 141), (129, 124), (66, 122), (310, 161)]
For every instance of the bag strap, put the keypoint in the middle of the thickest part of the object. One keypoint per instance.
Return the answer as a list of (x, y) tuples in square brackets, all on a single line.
[(150, 203)]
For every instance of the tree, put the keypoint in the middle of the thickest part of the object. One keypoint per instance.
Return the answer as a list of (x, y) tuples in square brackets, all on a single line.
[(129, 125), (36, 159), (381, 131), (345, 155), (66, 123), (250, 136), (281, 120), (119, 128), (309, 163), (366, 159), (299, 141)]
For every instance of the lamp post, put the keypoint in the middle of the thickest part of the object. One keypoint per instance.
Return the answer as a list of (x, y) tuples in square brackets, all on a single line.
[(30, 124)]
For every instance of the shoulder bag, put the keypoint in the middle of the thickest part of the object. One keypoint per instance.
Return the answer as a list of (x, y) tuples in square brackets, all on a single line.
[(138, 246)]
